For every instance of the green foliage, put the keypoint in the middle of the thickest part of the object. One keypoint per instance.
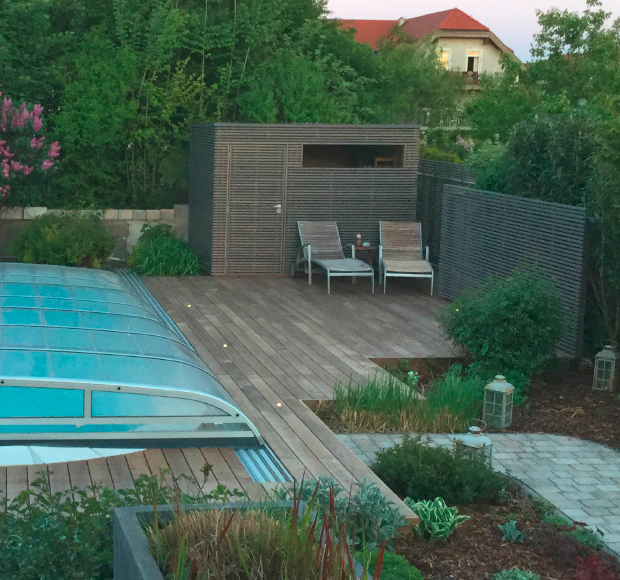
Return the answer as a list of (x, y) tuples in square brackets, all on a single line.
[(160, 253), (68, 240), (395, 567), (369, 518), (486, 373), (414, 469), (436, 154), (67, 535), (125, 80), (510, 533), (437, 520), (513, 323), (515, 574)]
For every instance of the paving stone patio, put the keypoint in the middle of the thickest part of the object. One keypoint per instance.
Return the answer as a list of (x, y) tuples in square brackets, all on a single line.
[(581, 478)]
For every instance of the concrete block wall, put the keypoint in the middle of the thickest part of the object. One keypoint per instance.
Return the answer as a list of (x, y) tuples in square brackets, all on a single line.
[(124, 224)]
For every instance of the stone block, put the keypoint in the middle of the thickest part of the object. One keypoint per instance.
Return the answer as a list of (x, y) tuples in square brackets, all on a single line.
[(12, 213), (153, 215), (110, 214), (125, 214), (138, 214), (56, 212), (32, 212), (167, 214)]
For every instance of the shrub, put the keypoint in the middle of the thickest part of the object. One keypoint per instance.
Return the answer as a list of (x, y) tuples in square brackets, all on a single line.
[(369, 517), (421, 472), (436, 154), (437, 520), (68, 535), (513, 323), (601, 566), (515, 574), (68, 240), (510, 533), (486, 373), (395, 567), (160, 253)]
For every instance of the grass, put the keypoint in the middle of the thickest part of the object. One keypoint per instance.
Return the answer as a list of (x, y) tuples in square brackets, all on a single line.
[(385, 404), (264, 543)]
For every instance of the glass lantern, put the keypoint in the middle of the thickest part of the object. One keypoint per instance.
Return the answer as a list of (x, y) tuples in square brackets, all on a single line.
[(498, 402), (605, 369), (474, 443)]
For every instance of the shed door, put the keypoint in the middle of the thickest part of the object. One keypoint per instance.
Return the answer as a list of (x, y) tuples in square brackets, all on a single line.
[(256, 200)]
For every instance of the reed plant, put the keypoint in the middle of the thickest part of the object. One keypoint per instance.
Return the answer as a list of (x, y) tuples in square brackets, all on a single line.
[(385, 404)]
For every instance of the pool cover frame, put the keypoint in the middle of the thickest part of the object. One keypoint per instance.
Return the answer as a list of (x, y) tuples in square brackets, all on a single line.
[(63, 328)]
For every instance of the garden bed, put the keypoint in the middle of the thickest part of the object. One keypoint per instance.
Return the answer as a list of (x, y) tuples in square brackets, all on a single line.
[(475, 550), (563, 403)]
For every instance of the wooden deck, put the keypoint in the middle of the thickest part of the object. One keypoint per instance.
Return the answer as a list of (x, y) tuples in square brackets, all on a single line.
[(273, 342)]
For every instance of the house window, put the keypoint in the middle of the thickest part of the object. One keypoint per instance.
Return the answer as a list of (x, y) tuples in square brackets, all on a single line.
[(340, 156), (473, 61), (445, 58)]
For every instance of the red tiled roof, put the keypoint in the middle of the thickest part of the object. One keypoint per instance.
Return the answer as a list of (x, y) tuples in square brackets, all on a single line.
[(370, 31), (454, 19)]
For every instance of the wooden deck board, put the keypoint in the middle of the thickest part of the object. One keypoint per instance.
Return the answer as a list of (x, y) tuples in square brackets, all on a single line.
[(285, 341)]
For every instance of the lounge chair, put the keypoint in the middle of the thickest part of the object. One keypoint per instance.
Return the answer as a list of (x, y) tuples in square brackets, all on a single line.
[(400, 252), (320, 245)]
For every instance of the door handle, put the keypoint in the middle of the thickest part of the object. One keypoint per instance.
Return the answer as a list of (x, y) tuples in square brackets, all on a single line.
[(278, 207)]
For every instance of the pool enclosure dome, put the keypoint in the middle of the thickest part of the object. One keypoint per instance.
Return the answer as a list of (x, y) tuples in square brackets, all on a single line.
[(89, 358)]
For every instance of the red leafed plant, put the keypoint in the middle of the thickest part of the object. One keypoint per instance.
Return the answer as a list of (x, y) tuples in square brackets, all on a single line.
[(598, 567)]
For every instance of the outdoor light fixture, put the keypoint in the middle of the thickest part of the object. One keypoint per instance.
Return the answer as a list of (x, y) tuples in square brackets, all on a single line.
[(474, 443), (605, 369), (278, 404), (498, 400), (224, 345)]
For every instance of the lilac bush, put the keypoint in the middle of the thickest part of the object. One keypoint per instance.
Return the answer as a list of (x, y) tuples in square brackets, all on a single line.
[(22, 151)]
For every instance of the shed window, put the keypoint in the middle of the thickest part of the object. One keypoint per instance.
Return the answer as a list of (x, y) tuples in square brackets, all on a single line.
[(22, 402), (359, 156), (112, 404)]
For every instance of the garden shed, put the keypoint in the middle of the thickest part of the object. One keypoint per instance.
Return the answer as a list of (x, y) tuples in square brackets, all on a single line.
[(251, 183)]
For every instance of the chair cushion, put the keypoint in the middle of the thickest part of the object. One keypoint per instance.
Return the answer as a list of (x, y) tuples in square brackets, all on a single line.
[(345, 265), (407, 267)]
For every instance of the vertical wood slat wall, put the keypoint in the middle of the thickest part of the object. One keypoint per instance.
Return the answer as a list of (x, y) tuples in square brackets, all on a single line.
[(432, 176), (232, 241), (486, 233)]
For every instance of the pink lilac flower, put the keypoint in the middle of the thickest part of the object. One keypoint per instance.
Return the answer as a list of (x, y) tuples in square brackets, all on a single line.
[(36, 143), (54, 149), (5, 168), (37, 123), (20, 119), (46, 164)]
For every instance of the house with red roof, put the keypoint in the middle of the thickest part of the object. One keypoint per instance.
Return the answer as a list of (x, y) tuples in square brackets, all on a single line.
[(463, 43)]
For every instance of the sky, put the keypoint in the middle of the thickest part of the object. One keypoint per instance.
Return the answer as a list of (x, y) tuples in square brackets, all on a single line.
[(513, 21)]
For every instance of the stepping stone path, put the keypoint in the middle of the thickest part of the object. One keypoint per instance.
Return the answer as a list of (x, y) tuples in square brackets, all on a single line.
[(581, 478)]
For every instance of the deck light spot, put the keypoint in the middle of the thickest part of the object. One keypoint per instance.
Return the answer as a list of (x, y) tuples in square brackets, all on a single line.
[(224, 345), (278, 404), (189, 305)]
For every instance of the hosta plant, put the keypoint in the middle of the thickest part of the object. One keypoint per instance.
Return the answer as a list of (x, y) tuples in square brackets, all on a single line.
[(437, 520)]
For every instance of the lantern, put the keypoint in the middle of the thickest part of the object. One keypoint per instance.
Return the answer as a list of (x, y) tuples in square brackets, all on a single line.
[(498, 400), (474, 443), (605, 369)]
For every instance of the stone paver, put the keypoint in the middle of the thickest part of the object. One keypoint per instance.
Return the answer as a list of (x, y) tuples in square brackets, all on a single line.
[(581, 478)]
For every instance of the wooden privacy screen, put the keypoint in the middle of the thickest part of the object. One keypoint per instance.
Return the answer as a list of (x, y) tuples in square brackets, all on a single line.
[(250, 184), (490, 233), (432, 176)]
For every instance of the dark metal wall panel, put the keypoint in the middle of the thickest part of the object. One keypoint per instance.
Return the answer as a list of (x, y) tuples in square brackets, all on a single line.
[(486, 233), (432, 176), (201, 192), (356, 198)]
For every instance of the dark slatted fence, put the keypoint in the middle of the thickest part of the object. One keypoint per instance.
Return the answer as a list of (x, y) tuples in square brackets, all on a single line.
[(432, 176), (486, 233)]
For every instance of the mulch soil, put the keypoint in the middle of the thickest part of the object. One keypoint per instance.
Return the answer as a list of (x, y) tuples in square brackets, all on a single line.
[(564, 403), (475, 551)]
